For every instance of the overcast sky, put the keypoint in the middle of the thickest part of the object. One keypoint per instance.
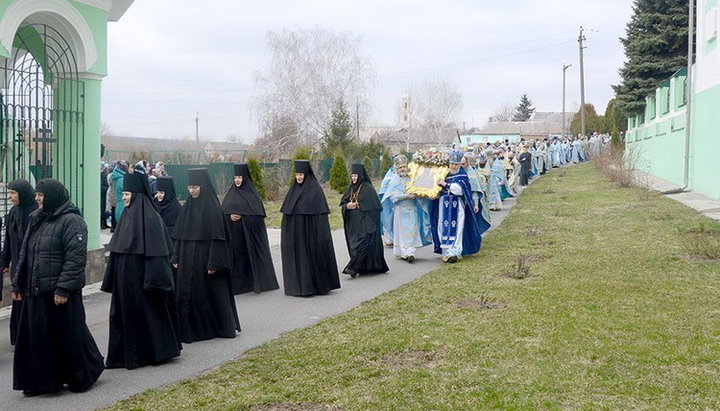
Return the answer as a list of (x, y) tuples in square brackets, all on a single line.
[(170, 58)]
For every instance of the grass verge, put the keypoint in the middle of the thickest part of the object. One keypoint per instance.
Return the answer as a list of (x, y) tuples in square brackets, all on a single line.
[(612, 316)]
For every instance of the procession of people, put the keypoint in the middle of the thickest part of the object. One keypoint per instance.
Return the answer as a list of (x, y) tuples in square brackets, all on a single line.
[(174, 269)]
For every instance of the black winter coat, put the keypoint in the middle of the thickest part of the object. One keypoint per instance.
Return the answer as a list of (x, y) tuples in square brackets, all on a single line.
[(60, 253)]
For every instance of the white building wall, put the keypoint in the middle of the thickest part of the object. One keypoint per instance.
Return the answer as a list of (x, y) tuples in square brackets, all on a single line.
[(707, 67)]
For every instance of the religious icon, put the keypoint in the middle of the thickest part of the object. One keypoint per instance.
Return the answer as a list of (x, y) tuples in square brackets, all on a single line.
[(423, 179)]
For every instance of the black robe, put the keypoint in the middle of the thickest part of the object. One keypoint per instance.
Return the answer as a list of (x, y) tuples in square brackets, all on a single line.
[(252, 266), (308, 255), (362, 226), (15, 227), (525, 160), (168, 209), (143, 322), (54, 346), (205, 302)]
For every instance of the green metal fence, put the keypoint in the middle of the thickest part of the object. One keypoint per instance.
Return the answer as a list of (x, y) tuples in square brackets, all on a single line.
[(175, 157), (221, 174)]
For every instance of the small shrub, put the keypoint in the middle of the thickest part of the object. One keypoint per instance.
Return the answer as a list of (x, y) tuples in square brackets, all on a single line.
[(618, 164), (276, 183), (368, 166), (385, 164), (521, 268), (257, 176), (339, 176), (222, 184)]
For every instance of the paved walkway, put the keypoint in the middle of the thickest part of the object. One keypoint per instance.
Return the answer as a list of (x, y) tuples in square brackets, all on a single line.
[(707, 206), (263, 317)]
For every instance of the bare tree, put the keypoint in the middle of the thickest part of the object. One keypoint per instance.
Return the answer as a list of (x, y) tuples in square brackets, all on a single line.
[(310, 71), (280, 134), (505, 112), (436, 108), (105, 130)]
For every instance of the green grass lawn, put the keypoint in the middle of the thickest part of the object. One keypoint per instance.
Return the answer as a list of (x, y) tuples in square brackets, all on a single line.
[(274, 217), (615, 313)]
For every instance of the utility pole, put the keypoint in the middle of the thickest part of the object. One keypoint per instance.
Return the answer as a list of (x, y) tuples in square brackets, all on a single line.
[(581, 38), (197, 127), (564, 67)]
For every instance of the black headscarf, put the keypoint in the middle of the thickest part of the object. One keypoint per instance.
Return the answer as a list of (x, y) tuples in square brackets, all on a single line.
[(141, 229), (54, 195), (21, 212), (306, 198), (363, 190), (170, 207), (243, 200), (201, 218)]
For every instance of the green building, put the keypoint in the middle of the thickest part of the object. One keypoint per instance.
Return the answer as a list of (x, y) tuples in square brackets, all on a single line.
[(656, 140), (53, 57)]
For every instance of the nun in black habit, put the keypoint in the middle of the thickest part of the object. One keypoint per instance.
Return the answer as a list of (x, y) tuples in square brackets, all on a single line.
[(252, 266), (525, 160), (205, 302), (22, 197), (361, 210), (143, 323), (54, 346), (166, 202), (308, 256)]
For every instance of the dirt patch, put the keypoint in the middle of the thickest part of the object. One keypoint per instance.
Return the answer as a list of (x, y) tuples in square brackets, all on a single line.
[(548, 191), (702, 245), (411, 359), (532, 231), (696, 259), (663, 217), (482, 303), (295, 406)]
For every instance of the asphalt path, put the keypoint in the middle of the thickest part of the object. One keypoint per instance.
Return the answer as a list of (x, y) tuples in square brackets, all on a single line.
[(263, 317)]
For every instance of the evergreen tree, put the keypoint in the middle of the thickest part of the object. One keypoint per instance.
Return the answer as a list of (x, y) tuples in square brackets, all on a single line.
[(257, 176), (368, 166), (339, 176), (385, 164), (655, 47), (524, 110), (593, 122), (338, 133), (615, 120)]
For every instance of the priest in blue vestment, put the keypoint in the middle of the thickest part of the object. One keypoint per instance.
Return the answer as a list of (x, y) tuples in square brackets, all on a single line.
[(454, 222)]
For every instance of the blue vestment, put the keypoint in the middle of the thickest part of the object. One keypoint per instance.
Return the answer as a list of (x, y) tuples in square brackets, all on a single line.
[(386, 220), (412, 217), (450, 203)]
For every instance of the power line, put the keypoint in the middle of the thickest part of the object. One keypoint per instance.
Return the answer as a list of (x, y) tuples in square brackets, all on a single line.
[(464, 63)]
